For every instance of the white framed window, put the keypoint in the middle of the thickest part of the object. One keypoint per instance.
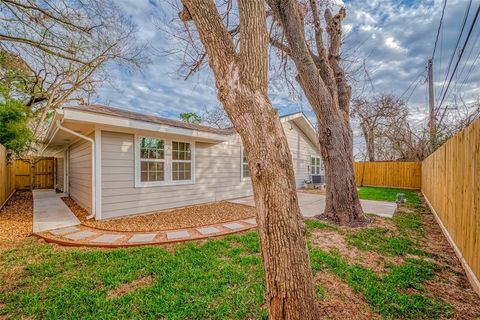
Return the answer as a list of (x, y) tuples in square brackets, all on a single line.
[(315, 165), (244, 166), (152, 160), (181, 161), (161, 162)]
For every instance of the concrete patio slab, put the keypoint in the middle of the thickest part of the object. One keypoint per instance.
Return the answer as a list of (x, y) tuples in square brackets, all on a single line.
[(208, 230), (178, 234), (108, 238), (251, 221), (313, 204), (142, 237), (80, 235), (50, 212), (62, 231), (233, 225)]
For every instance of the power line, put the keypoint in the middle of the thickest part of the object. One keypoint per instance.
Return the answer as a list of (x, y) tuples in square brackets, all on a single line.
[(465, 16), (439, 27), (460, 56)]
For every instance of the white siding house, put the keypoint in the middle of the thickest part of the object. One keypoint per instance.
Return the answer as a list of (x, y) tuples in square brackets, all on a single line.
[(143, 164)]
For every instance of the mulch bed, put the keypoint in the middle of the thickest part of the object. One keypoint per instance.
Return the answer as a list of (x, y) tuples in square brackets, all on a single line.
[(16, 218), (188, 217)]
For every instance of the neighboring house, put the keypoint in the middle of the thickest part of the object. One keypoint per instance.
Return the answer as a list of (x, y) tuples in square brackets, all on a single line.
[(115, 162)]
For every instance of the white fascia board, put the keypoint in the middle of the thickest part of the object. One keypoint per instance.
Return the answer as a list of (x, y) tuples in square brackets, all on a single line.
[(101, 119), (306, 125)]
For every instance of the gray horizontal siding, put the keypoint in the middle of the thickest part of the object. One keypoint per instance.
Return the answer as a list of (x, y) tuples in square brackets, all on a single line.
[(302, 149), (217, 177), (60, 173), (80, 175)]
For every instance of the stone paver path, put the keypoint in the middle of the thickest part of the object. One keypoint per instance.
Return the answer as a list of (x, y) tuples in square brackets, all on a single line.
[(85, 236), (313, 204), (50, 212)]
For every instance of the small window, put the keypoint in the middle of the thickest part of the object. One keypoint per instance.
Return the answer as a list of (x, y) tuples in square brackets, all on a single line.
[(245, 169), (181, 161), (315, 165), (152, 160)]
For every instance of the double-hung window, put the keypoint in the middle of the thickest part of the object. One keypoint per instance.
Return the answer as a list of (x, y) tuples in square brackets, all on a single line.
[(162, 162), (152, 160), (315, 165), (181, 161), (245, 169)]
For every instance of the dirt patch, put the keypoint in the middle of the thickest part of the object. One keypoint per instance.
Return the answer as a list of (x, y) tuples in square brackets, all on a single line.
[(129, 287), (340, 301), (451, 284), (333, 241), (16, 219), (187, 217)]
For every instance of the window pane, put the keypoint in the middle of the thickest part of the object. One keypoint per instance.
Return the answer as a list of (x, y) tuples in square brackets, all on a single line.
[(151, 148), (152, 171), (181, 151), (181, 171), (246, 172)]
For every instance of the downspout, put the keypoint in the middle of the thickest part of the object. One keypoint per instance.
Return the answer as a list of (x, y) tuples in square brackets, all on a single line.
[(59, 126)]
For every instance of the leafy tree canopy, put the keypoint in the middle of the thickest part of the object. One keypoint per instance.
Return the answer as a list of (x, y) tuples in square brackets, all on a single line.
[(190, 117)]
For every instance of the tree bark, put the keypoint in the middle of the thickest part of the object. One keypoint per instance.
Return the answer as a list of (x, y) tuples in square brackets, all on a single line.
[(325, 86), (242, 81)]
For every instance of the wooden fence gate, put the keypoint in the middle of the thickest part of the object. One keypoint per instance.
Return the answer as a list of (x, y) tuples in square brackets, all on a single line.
[(34, 173)]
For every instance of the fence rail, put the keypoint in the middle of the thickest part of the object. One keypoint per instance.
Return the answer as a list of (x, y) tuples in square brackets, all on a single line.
[(406, 175), (7, 177), (451, 184)]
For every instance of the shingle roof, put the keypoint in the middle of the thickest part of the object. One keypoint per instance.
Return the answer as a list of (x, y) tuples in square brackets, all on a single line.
[(101, 109)]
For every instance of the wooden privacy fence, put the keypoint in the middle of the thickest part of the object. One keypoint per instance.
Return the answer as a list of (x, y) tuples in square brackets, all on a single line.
[(451, 185), (7, 176), (389, 174), (34, 173)]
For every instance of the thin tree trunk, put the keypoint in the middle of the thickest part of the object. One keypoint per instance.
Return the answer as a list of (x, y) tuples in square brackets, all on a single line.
[(242, 81)]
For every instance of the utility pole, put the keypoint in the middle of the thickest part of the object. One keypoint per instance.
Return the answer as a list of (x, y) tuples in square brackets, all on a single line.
[(431, 107)]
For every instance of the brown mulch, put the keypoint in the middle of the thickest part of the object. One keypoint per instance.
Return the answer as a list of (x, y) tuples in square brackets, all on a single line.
[(340, 301), (188, 217), (129, 287), (16, 218)]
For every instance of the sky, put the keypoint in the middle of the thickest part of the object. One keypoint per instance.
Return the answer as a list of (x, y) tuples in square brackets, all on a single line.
[(394, 38)]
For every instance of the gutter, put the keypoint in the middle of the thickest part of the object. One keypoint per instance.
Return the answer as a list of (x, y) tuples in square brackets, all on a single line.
[(92, 142)]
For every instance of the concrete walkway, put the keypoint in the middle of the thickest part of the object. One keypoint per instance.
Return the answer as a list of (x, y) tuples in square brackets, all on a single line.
[(84, 236), (313, 204), (50, 212)]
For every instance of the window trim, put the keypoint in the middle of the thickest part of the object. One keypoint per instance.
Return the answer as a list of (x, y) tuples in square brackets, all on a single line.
[(242, 177), (319, 165), (168, 161)]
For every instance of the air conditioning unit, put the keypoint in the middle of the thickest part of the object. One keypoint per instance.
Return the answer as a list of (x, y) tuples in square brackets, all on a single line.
[(318, 179)]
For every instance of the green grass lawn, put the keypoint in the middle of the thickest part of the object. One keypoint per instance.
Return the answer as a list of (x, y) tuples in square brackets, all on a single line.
[(215, 279), (387, 194)]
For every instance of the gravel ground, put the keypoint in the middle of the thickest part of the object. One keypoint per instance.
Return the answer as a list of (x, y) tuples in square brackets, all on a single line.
[(16, 218), (187, 217)]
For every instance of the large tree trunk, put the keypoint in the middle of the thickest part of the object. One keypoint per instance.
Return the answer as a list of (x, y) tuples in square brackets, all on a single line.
[(241, 80), (325, 86), (342, 203)]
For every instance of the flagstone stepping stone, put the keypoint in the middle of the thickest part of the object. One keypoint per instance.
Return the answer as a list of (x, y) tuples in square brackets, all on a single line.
[(177, 234), (251, 221), (62, 231), (80, 235), (108, 238), (208, 230), (233, 225), (142, 237)]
